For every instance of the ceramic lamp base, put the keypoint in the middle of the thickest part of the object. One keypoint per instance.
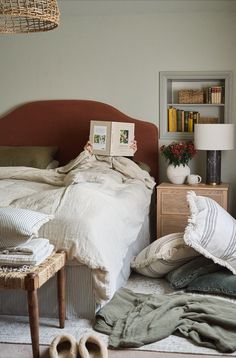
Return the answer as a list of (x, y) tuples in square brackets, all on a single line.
[(213, 167)]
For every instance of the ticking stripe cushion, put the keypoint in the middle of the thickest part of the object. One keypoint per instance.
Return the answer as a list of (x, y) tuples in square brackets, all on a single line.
[(211, 231), (19, 225), (163, 255)]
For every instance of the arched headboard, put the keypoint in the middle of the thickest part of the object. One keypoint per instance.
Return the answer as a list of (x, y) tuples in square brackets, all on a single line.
[(66, 123)]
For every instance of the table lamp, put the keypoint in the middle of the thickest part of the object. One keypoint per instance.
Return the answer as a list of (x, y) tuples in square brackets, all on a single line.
[(213, 138)]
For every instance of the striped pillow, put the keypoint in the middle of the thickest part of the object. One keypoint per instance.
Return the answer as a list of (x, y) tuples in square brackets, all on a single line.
[(163, 255), (211, 231), (19, 225)]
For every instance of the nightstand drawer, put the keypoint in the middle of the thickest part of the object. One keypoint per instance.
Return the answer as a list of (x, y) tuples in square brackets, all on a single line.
[(175, 201), (172, 223), (172, 205)]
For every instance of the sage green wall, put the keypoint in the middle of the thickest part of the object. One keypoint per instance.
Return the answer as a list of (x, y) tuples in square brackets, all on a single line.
[(112, 51)]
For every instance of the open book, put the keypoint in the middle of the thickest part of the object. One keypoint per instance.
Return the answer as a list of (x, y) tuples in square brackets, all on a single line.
[(112, 138)]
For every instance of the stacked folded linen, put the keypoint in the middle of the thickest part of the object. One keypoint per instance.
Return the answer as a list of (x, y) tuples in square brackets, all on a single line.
[(32, 252)]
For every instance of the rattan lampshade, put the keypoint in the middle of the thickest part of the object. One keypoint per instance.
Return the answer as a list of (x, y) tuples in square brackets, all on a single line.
[(23, 16)]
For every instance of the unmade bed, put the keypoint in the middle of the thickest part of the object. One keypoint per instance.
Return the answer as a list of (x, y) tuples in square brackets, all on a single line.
[(91, 280)]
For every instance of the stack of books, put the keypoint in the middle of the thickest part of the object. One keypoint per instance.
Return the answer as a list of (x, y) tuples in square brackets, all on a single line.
[(214, 95), (182, 121)]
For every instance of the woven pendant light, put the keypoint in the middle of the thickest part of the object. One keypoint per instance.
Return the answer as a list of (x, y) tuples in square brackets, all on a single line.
[(24, 16)]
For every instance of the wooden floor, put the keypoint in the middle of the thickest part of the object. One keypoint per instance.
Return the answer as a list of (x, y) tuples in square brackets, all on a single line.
[(24, 351)]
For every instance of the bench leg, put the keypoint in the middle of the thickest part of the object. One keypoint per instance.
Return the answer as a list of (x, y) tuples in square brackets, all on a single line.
[(61, 295), (34, 321)]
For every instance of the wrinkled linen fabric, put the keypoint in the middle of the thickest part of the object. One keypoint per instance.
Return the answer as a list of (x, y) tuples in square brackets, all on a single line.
[(99, 206), (32, 247), (22, 259), (73, 172), (135, 319)]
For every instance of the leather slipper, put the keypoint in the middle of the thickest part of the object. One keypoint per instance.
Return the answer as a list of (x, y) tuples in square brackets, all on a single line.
[(63, 346)]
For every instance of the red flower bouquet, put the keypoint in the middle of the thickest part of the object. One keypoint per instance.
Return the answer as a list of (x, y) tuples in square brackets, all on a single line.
[(178, 152)]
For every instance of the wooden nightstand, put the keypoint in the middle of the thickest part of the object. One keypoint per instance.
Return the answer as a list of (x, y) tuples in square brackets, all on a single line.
[(172, 207)]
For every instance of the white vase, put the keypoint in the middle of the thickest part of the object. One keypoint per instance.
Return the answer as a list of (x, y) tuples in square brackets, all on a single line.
[(177, 174)]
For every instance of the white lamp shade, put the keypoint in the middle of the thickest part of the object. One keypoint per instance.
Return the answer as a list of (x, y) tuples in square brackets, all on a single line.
[(214, 136)]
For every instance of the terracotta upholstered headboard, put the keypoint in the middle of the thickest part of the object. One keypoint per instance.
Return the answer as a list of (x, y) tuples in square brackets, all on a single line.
[(65, 123)]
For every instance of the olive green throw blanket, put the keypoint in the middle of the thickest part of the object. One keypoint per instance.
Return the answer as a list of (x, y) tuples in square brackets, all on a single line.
[(134, 319)]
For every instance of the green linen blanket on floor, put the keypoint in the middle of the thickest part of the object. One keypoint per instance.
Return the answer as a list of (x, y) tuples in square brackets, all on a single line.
[(134, 319)]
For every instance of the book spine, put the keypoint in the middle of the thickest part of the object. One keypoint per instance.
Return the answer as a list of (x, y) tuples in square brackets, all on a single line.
[(209, 95), (206, 95), (182, 120), (195, 118), (172, 119), (213, 96), (222, 94), (179, 120), (190, 122), (219, 94), (186, 113)]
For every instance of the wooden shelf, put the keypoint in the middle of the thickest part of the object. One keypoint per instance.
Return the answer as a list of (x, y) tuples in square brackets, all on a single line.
[(171, 82), (196, 104)]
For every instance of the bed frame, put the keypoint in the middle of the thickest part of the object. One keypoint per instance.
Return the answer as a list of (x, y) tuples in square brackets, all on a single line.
[(66, 123)]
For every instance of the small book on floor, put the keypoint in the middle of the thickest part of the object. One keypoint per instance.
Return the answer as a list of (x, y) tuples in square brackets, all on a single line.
[(112, 138)]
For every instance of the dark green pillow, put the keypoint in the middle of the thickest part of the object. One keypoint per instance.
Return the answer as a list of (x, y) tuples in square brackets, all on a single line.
[(183, 275), (36, 157), (221, 282)]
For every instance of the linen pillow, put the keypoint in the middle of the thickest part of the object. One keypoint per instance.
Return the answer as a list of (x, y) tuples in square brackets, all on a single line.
[(221, 282), (19, 225), (183, 275), (211, 231), (36, 157), (163, 255)]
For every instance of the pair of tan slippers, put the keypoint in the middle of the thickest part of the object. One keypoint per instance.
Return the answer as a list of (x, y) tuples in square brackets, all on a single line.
[(89, 346)]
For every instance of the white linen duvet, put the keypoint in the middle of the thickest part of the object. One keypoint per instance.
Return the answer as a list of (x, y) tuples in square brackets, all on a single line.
[(99, 205)]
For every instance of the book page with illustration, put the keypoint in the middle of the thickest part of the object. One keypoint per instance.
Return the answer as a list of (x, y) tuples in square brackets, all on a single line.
[(112, 138)]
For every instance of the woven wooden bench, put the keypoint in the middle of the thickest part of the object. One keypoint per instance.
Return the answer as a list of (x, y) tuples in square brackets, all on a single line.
[(32, 280)]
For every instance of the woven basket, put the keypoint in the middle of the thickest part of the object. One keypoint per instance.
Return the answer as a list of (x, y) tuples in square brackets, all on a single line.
[(20, 16), (191, 96)]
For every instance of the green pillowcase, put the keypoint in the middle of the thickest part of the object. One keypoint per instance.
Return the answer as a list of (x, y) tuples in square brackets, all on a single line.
[(183, 275), (221, 282), (36, 157)]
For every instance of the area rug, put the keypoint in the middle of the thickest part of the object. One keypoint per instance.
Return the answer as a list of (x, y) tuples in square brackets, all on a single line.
[(15, 329)]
